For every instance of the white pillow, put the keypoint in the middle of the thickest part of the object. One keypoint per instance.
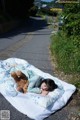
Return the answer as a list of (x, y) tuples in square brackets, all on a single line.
[(50, 98), (45, 101)]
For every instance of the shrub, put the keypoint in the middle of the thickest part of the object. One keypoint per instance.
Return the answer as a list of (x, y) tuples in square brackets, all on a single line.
[(66, 51), (72, 19)]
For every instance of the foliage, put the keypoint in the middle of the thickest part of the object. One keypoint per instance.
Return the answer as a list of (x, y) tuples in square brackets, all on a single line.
[(56, 9), (71, 14), (65, 45), (52, 8), (49, 12), (33, 10), (17, 8), (66, 51)]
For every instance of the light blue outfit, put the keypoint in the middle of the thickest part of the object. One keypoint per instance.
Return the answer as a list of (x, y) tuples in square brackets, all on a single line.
[(33, 86), (10, 84)]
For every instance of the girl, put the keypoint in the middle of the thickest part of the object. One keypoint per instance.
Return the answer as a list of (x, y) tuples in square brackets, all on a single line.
[(42, 86)]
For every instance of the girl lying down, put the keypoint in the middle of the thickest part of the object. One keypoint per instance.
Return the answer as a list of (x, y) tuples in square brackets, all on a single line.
[(44, 86), (19, 82)]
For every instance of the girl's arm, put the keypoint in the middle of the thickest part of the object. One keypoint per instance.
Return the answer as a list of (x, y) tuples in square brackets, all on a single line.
[(33, 84)]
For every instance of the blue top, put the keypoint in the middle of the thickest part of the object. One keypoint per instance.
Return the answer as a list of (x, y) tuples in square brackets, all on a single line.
[(34, 81)]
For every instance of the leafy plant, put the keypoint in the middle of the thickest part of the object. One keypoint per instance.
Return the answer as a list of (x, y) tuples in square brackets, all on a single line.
[(72, 19)]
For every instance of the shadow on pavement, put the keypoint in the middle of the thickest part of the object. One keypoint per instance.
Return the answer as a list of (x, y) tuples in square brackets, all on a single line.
[(29, 25)]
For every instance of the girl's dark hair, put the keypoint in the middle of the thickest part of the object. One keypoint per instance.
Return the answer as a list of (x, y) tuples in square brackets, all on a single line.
[(50, 84)]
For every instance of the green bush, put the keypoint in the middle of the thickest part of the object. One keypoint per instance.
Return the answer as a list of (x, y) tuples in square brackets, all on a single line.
[(71, 14), (65, 46), (66, 51), (33, 10)]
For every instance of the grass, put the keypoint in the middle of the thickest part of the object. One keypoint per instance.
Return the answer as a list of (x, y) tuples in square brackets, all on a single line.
[(65, 50)]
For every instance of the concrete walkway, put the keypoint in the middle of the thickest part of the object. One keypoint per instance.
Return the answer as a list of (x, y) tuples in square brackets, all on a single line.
[(36, 50)]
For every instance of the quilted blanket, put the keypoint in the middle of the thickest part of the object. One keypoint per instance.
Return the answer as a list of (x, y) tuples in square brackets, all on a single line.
[(43, 106)]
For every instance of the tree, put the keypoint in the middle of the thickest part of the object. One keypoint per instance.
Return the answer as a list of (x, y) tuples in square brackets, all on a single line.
[(17, 8), (2, 3), (72, 19)]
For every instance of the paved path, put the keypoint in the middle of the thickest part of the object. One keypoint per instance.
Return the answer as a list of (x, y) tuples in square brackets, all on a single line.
[(32, 46)]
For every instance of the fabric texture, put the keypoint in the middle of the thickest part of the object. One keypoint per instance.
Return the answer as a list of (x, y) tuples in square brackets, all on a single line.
[(7, 67), (58, 97)]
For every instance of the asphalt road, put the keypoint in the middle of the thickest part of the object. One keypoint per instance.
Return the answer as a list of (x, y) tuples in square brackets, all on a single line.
[(30, 42)]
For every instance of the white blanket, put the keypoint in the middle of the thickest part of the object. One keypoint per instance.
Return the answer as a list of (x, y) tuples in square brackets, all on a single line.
[(24, 104)]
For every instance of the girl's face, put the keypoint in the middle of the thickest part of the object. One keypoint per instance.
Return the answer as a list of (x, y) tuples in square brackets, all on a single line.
[(44, 86)]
